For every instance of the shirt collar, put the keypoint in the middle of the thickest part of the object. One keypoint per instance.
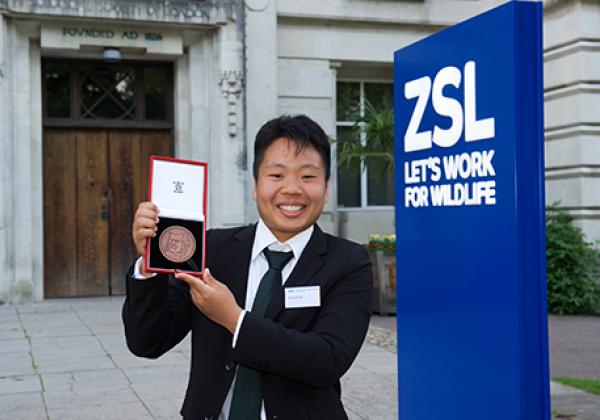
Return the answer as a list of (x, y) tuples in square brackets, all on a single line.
[(264, 238)]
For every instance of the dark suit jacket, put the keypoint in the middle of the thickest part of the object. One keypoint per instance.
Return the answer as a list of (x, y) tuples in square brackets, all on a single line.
[(301, 353)]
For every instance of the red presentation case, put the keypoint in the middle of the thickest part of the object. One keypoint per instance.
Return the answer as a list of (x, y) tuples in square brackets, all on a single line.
[(179, 189)]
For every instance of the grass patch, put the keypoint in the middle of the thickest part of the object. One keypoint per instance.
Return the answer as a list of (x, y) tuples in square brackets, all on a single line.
[(560, 415), (588, 385)]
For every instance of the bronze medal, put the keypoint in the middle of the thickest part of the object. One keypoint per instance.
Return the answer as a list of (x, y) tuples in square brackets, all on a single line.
[(177, 244)]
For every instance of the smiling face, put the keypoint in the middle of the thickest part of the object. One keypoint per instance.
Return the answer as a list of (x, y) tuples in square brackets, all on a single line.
[(290, 188)]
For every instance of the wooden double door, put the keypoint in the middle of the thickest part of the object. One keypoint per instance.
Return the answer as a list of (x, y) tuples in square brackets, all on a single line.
[(93, 182)]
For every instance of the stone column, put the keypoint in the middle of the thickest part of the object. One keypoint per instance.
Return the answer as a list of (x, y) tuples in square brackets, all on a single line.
[(6, 259), (261, 77), (27, 188), (572, 101), (21, 189), (210, 119), (228, 144)]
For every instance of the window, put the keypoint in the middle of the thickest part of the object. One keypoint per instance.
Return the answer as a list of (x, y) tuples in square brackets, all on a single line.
[(107, 92), (365, 182), (96, 93), (57, 82)]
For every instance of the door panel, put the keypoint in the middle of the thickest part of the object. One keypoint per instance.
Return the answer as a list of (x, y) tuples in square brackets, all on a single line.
[(93, 182), (129, 153), (60, 233), (92, 212)]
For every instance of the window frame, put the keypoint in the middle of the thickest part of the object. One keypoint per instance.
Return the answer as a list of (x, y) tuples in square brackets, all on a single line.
[(75, 119), (364, 171)]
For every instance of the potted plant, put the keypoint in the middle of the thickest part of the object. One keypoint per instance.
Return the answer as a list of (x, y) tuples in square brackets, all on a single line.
[(382, 252)]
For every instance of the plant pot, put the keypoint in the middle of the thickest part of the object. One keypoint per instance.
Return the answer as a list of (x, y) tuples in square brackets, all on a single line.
[(384, 282)]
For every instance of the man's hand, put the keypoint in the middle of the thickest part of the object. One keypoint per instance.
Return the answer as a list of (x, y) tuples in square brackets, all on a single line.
[(213, 299), (144, 227)]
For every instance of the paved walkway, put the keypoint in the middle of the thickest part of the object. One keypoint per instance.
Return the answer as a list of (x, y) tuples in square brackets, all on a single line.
[(67, 359), (575, 346)]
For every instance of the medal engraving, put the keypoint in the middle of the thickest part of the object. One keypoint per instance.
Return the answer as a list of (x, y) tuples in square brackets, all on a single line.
[(177, 244)]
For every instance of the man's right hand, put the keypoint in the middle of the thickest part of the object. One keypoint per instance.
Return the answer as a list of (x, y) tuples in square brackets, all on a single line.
[(144, 226)]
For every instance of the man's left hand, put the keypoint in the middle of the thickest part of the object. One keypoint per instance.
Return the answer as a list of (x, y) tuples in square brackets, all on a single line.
[(213, 299)]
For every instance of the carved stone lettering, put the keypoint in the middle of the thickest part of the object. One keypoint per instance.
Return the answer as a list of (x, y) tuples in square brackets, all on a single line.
[(199, 11)]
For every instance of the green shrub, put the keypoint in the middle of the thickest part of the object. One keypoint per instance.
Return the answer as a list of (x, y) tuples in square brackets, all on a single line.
[(572, 266)]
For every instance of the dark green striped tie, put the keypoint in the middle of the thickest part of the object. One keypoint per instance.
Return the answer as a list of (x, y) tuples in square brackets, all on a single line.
[(247, 391)]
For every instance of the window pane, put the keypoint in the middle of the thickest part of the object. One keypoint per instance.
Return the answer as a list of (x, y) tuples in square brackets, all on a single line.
[(155, 93), (348, 101), (348, 176), (107, 92), (380, 95), (380, 183), (58, 90)]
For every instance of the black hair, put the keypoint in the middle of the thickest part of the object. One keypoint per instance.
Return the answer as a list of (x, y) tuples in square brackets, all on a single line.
[(299, 129)]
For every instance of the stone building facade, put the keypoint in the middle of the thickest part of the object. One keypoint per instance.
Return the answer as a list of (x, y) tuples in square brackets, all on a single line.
[(59, 168), (196, 79), (572, 109)]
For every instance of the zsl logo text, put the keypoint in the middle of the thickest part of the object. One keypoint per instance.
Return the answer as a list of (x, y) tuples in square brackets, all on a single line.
[(464, 118)]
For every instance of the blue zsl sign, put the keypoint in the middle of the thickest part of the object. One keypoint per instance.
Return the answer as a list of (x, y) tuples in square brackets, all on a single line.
[(463, 124), (471, 302)]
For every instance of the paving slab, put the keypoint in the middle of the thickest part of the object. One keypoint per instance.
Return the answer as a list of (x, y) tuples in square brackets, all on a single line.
[(163, 390), (576, 406), (19, 384), (70, 345), (157, 374), (102, 329), (50, 306), (66, 354), (11, 329), (32, 318), (8, 318), (164, 399), (128, 360), (7, 310), (369, 388), (165, 409), (106, 411), (113, 343), (57, 331), (96, 397), (85, 380), (14, 345), (68, 363), (25, 406), (16, 364)]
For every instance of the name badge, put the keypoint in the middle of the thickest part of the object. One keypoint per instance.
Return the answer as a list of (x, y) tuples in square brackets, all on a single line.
[(302, 297)]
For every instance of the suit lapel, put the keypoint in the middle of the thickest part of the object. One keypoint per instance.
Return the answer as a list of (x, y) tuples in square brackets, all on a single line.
[(239, 264), (309, 264)]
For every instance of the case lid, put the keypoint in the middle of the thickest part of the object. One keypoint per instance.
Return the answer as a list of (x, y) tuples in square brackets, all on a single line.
[(177, 187)]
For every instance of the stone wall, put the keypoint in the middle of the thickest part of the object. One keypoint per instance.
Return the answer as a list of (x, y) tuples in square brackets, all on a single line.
[(572, 110)]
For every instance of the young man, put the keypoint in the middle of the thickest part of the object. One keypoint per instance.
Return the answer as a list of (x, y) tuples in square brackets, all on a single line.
[(282, 308)]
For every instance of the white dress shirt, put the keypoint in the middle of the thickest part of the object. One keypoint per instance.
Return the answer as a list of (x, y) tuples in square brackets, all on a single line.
[(258, 267)]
